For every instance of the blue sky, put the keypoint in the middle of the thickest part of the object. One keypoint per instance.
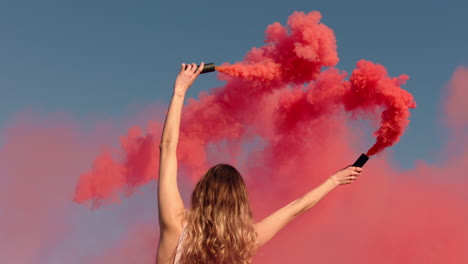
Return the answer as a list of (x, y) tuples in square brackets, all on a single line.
[(111, 58)]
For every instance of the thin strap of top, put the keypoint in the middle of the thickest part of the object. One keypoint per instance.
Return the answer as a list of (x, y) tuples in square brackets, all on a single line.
[(179, 247)]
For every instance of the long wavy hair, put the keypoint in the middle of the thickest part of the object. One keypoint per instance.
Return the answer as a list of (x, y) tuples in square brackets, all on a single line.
[(219, 225)]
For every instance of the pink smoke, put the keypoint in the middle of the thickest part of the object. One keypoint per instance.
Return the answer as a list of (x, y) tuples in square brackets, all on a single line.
[(296, 135), (37, 167), (457, 91), (389, 216), (293, 55)]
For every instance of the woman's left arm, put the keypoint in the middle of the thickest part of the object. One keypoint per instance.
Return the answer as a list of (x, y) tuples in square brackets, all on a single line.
[(170, 204)]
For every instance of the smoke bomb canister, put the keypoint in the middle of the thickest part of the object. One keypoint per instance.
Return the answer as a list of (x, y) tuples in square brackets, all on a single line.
[(209, 67), (361, 160)]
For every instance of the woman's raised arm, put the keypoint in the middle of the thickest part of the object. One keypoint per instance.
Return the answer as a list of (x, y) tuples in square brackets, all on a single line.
[(171, 207)]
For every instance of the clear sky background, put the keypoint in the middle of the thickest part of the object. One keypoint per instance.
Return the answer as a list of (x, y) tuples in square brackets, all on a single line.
[(108, 60)]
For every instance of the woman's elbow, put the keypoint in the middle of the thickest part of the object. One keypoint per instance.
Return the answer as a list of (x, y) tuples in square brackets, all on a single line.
[(167, 144)]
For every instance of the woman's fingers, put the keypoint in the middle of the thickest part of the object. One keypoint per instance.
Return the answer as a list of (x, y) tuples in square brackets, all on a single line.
[(353, 168), (353, 173), (358, 169), (192, 68), (186, 67), (348, 175), (200, 69), (349, 179)]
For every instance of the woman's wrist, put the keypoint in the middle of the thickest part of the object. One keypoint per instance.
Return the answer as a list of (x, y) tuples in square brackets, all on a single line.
[(180, 90), (333, 180), (178, 94)]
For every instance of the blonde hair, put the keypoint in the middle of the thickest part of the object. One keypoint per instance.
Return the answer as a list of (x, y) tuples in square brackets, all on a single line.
[(219, 225)]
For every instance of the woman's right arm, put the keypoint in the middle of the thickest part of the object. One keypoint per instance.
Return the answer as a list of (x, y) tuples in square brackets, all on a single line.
[(268, 227)]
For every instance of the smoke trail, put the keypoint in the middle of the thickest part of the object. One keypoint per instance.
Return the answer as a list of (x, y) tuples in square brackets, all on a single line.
[(368, 90), (108, 175), (372, 88)]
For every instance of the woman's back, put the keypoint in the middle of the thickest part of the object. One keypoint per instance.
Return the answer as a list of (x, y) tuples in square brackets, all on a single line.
[(218, 227)]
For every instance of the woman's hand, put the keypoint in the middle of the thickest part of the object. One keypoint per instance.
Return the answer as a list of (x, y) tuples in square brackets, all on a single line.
[(346, 176), (187, 75)]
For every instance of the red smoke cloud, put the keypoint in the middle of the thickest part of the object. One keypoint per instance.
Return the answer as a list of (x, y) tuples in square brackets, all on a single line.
[(457, 91), (108, 174), (40, 161), (292, 56), (389, 216), (285, 137), (138, 246), (36, 161)]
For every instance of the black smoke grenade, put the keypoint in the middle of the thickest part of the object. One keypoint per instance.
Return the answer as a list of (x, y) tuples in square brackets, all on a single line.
[(361, 160), (209, 67)]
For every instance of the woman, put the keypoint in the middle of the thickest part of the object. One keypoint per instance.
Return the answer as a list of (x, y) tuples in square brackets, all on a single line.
[(218, 227)]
